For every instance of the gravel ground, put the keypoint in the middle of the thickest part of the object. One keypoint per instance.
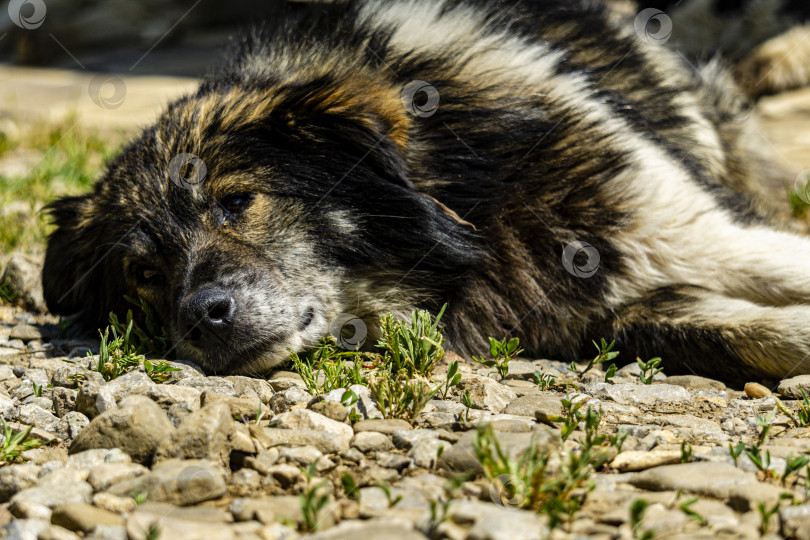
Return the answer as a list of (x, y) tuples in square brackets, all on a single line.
[(188, 458)]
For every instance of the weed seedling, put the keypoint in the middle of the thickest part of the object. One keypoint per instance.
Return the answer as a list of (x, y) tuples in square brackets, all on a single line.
[(686, 508), (392, 501), (467, 401), (313, 499), (637, 511), (413, 349), (500, 352), (617, 440), (686, 452), (605, 354), (544, 380), (452, 378), (736, 451), (15, 443), (649, 369), (159, 372), (793, 464), (350, 488), (7, 294)]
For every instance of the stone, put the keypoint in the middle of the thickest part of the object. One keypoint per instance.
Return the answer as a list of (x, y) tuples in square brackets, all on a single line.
[(543, 405), (637, 460), (34, 415), (795, 521), (203, 434), (114, 503), (756, 390), (15, 478), (388, 530), (393, 461), (270, 510), (83, 517), (372, 441), (167, 395), (136, 426), (492, 522), (793, 387), (306, 455), (284, 380), (717, 480), (426, 453), (387, 426), (488, 394), (25, 529), (105, 475), (331, 409), (175, 481), (139, 525), (642, 394), (25, 332), (64, 401), (55, 532), (90, 459), (304, 419), (71, 424), (461, 456), (24, 277), (219, 385), (408, 438), (286, 475), (365, 405), (46, 495), (191, 513), (327, 443), (521, 370)]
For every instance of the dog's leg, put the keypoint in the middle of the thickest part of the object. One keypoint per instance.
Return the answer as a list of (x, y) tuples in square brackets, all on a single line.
[(701, 332)]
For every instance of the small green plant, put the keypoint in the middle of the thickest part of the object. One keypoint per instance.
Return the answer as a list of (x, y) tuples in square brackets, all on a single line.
[(686, 508), (605, 354), (500, 352), (573, 415), (153, 533), (350, 488), (637, 510), (686, 452), (439, 507), (766, 512), (7, 294), (544, 380), (802, 417), (37, 389), (349, 398), (152, 338), (793, 464), (452, 378), (611, 372), (159, 372), (528, 482), (413, 349), (762, 461), (617, 440), (119, 355), (337, 368), (313, 499), (649, 369), (736, 450), (259, 414), (15, 443), (467, 401), (139, 495), (386, 489), (400, 396)]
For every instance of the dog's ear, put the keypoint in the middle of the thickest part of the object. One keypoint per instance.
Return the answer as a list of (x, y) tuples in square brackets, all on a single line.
[(80, 278)]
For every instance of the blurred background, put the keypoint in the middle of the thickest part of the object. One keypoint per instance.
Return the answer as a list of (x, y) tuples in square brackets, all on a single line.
[(80, 76)]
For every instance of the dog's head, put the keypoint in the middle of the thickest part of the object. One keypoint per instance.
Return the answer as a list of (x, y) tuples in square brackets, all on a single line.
[(250, 216)]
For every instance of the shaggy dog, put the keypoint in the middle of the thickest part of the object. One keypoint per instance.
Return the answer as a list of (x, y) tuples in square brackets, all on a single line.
[(545, 168)]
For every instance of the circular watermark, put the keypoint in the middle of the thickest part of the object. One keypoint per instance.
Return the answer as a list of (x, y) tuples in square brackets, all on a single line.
[(187, 170), (349, 330), (420, 98), (107, 91), (801, 186), (508, 491), (27, 14), (579, 248), (653, 26), (196, 483)]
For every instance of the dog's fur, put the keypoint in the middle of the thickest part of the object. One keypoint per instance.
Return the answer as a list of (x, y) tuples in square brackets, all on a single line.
[(557, 127)]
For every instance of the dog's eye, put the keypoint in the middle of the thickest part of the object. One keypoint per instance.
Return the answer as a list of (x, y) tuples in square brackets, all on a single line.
[(235, 204), (147, 275)]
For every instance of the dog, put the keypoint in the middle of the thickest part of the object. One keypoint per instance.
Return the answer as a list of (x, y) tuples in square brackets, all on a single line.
[(546, 169)]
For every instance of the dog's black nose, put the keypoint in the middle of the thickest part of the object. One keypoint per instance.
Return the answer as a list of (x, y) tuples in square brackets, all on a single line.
[(206, 318)]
